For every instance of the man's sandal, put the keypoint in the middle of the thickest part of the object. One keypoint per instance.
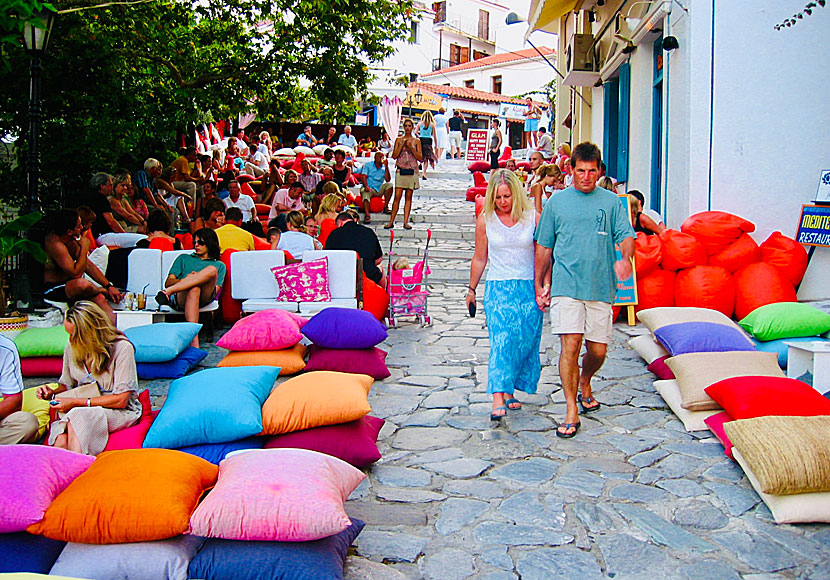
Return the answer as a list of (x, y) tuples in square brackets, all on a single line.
[(162, 299), (582, 400), (566, 426)]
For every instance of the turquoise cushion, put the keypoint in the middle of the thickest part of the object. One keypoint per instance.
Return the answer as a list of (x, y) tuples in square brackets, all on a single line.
[(162, 341), (786, 320), (42, 341), (781, 349), (213, 406)]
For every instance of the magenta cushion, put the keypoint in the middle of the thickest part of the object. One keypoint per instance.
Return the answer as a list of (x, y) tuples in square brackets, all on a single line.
[(354, 442), (363, 361), (31, 477), (133, 437), (661, 369), (264, 330), (303, 282), (715, 423), (42, 366)]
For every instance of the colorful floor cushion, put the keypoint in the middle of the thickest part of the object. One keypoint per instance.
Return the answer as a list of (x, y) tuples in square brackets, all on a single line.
[(366, 361), (212, 406), (42, 341), (159, 560), (354, 442), (751, 396), (162, 341), (172, 369), (660, 369), (648, 348), (715, 423), (344, 328), (285, 495), (23, 552), (41, 366), (133, 437), (216, 452), (780, 347), (315, 399), (786, 320), (687, 337), (289, 360), (37, 407), (655, 318), (692, 420), (233, 560), (270, 329), (696, 371), (31, 477), (134, 495)]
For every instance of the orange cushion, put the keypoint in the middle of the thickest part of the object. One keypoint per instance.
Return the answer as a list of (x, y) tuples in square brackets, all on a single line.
[(290, 360), (133, 495), (315, 399)]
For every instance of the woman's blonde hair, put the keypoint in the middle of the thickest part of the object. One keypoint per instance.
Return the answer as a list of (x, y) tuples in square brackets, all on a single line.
[(548, 170), (330, 204), (331, 188), (566, 149), (92, 337), (427, 119), (296, 220), (606, 182), (521, 203)]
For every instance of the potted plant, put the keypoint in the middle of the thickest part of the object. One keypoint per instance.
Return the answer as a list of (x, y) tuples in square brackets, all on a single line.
[(13, 244)]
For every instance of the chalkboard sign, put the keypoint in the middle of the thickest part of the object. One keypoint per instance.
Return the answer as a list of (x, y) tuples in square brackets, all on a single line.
[(626, 289)]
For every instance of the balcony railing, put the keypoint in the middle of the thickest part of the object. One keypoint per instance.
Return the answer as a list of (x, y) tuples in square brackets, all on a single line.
[(439, 63), (464, 25)]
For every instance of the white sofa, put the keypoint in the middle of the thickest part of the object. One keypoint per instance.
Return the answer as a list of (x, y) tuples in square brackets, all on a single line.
[(147, 269)]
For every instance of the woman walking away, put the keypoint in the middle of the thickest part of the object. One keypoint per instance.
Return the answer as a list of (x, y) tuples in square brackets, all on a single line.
[(504, 235), (495, 144), (426, 133), (407, 153)]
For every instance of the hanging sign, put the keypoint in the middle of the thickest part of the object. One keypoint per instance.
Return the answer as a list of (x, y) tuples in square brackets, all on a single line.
[(814, 226), (823, 193), (476, 145)]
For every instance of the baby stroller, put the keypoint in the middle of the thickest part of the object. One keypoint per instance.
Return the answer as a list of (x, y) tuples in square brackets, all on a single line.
[(407, 296)]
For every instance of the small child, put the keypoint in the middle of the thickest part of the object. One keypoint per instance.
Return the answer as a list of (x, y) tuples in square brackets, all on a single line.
[(401, 263)]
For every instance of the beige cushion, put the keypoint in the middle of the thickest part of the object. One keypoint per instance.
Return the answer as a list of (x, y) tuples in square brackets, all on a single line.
[(787, 454), (696, 371), (655, 318), (648, 348), (692, 420)]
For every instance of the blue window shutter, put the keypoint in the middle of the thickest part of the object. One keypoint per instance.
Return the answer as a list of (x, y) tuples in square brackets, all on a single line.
[(621, 170), (610, 132)]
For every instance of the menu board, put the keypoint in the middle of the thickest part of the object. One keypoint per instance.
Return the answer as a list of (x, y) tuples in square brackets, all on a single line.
[(476, 145)]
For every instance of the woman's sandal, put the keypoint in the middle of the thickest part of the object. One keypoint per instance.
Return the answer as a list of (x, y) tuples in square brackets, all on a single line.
[(512, 401), (162, 299), (407, 227), (574, 426), (582, 400), (388, 227), (494, 417)]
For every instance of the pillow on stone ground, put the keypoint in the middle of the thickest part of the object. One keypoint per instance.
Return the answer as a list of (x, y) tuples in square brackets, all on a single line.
[(315, 399), (786, 320), (172, 369), (162, 341), (23, 552), (692, 420), (660, 369), (648, 348), (270, 329), (31, 478), (41, 366), (689, 337), (37, 407), (655, 318), (344, 328), (284, 495), (751, 396), (133, 437), (161, 560), (697, 371), (482, 166), (134, 495), (354, 442), (780, 348), (369, 361), (216, 452), (42, 341), (234, 560), (290, 361), (715, 423), (212, 406)]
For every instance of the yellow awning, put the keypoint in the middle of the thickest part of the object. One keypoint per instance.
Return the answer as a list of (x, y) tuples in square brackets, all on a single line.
[(545, 14), (429, 100)]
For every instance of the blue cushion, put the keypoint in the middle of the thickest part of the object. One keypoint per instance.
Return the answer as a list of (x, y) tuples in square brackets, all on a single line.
[(344, 328), (172, 369), (212, 406), (686, 337), (24, 552), (241, 560), (215, 452), (778, 346), (162, 341)]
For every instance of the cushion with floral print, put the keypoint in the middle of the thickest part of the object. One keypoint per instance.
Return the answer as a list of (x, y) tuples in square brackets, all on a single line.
[(303, 282)]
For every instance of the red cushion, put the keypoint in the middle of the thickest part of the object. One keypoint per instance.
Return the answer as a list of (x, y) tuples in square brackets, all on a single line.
[(365, 361), (479, 180), (506, 154), (162, 244), (186, 241), (661, 369), (231, 308), (353, 442), (715, 423), (41, 366), (749, 397), (249, 191), (262, 208), (479, 166), (133, 437), (476, 191), (245, 178), (375, 299), (261, 243)]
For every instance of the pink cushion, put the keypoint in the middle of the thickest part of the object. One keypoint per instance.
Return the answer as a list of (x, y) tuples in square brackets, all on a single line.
[(354, 442), (42, 366), (715, 424), (661, 369), (288, 495), (304, 282), (31, 477), (264, 330), (133, 437), (366, 361)]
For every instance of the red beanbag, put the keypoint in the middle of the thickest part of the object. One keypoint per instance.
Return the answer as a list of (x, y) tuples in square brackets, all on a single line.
[(648, 251), (479, 204), (656, 289), (479, 180), (376, 205), (249, 191), (705, 287), (787, 255), (760, 284), (681, 251), (375, 299), (261, 243), (740, 253), (716, 229), (475, 191), (750, 397), (231, 308), (262, 208), (482, 166), (41, 366)]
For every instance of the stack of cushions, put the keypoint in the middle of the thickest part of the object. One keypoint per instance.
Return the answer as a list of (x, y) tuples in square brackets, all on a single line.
[(163, 350), (268, 337), (345, 340), (41, 351), (773, 325)]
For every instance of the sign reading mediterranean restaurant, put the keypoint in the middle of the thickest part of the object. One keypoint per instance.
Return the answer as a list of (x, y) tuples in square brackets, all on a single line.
[(814, 226)]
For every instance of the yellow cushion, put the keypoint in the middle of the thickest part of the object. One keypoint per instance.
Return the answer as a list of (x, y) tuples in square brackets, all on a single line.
[(315, 399), (37, 407), (290, 360)]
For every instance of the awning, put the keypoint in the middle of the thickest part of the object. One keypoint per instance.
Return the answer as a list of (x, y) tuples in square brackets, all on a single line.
[(545, 14)]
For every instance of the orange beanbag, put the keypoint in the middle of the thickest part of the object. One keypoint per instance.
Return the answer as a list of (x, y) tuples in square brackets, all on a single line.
[(656, 289), (133, 495), (716, 229), (290, 360), (759, 284), (648, 251), (705, 287), (376, 204), (375, 299), (787, 255), (315, 399), (740, 253), (681, 251)]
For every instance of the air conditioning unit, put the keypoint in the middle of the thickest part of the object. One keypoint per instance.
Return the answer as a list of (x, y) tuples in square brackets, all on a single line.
[(580, 68)]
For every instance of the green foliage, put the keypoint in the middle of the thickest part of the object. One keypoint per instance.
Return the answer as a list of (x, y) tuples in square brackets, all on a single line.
[(13, 15), (12, 244)]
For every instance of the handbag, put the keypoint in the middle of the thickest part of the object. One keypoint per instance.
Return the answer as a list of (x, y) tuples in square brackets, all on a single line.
[(85, 391), (404, 171)]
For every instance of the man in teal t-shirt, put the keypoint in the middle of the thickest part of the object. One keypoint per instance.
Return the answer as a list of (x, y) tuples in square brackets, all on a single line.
[(578, 228)]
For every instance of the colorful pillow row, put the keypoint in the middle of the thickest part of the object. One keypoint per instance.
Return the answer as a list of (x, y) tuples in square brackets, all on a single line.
[(38, 342), (270, 329), (786, 320)]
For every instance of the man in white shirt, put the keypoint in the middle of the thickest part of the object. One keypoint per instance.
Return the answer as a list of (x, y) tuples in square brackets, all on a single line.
[(16, 425), (244, 202), (347, 138)]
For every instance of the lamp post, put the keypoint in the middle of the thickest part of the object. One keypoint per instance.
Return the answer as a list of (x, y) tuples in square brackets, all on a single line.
[(418, 97)]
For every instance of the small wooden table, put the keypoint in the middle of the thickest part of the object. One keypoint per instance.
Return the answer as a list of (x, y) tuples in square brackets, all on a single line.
[(810, 357), (125, 319)]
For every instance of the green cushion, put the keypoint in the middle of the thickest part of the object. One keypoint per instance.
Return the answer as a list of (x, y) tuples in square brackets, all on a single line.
[(786, 320), (42, 341)]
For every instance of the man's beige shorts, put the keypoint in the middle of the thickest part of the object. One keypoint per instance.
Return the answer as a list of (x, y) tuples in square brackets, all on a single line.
[(589, 318)]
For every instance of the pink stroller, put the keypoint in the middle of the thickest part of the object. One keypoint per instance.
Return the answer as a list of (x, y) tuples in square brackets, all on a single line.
[(407, 288)]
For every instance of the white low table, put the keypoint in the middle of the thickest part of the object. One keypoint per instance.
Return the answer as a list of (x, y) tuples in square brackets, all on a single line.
[(125, 319), (810, 357)]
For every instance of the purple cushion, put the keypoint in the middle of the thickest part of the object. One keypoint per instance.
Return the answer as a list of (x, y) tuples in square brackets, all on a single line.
[(353, 442), (23, 552), (686, 337), (661, 369), (366, 361), (172, 369), (344, 328)]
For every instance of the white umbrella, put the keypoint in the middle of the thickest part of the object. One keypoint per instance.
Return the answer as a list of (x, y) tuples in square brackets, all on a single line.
[(390, 115)]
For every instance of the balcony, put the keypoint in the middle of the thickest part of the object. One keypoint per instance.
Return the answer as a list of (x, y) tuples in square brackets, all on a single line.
[(468, 27), (439, 63)]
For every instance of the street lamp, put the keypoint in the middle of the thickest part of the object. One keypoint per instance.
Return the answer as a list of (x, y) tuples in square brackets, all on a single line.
[(418, 97), (35, 38)]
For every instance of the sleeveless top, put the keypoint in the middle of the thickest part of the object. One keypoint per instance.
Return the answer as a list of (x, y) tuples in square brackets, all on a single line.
[(425, 132), (510, 249), (494, 141), (638, 227), (406, 159)]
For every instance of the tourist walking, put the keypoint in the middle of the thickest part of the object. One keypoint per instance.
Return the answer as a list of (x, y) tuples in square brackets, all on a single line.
[(504, 236), (442, 141), (407, 154), (426, 133), (495, 144)]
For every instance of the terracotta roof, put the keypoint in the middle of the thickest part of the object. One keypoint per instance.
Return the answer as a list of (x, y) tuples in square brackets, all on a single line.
[(469, 94), (479, 113), (502, 58)]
